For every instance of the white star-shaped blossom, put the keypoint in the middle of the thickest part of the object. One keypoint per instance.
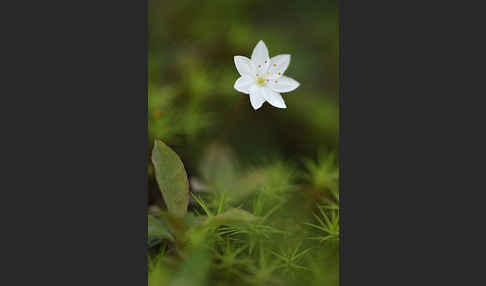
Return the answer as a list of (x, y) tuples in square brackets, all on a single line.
[(262, 78)]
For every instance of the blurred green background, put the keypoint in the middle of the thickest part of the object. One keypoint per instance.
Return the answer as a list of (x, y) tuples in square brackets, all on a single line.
[(193, 107)]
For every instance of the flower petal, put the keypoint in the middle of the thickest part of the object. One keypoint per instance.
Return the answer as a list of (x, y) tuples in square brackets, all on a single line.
[(256, 97), (244, 65), (273, 98), (244, 83), (278, 65), (283, 84), (260, 55)]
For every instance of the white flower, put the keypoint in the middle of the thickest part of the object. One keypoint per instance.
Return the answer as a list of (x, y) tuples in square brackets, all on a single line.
[(262, 78)]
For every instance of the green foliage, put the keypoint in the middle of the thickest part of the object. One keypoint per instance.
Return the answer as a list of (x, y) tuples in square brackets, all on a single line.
[(159, 275), (172, 178), (291, 258), (167, 125), (255, 239), (194, 270), (158, 230), (323, 173), (328, 225)]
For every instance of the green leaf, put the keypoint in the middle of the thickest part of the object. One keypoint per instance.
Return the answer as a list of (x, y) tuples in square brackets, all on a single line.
[(172, 178), (231, 216), (158, 230), (195, 270), (218, 167)]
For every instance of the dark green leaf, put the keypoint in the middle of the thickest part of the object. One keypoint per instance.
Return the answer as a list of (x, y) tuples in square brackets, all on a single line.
[(158, 230)]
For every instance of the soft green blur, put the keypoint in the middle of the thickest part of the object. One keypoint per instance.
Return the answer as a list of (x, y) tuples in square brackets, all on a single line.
[(193, 108)]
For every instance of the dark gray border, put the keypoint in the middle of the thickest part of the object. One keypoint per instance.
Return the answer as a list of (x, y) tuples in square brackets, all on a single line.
[(78, 161), (410, 127)]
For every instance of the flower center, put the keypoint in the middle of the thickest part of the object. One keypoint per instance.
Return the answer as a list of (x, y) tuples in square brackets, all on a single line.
[(260, 81)]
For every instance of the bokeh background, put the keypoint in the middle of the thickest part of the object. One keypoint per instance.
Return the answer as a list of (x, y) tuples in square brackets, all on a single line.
[(193, 107)]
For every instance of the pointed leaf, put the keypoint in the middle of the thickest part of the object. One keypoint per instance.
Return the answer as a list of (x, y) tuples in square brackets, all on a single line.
[(172, 178)]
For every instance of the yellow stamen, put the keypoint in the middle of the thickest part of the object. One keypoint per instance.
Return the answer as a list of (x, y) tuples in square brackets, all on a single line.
[(260, 81)]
